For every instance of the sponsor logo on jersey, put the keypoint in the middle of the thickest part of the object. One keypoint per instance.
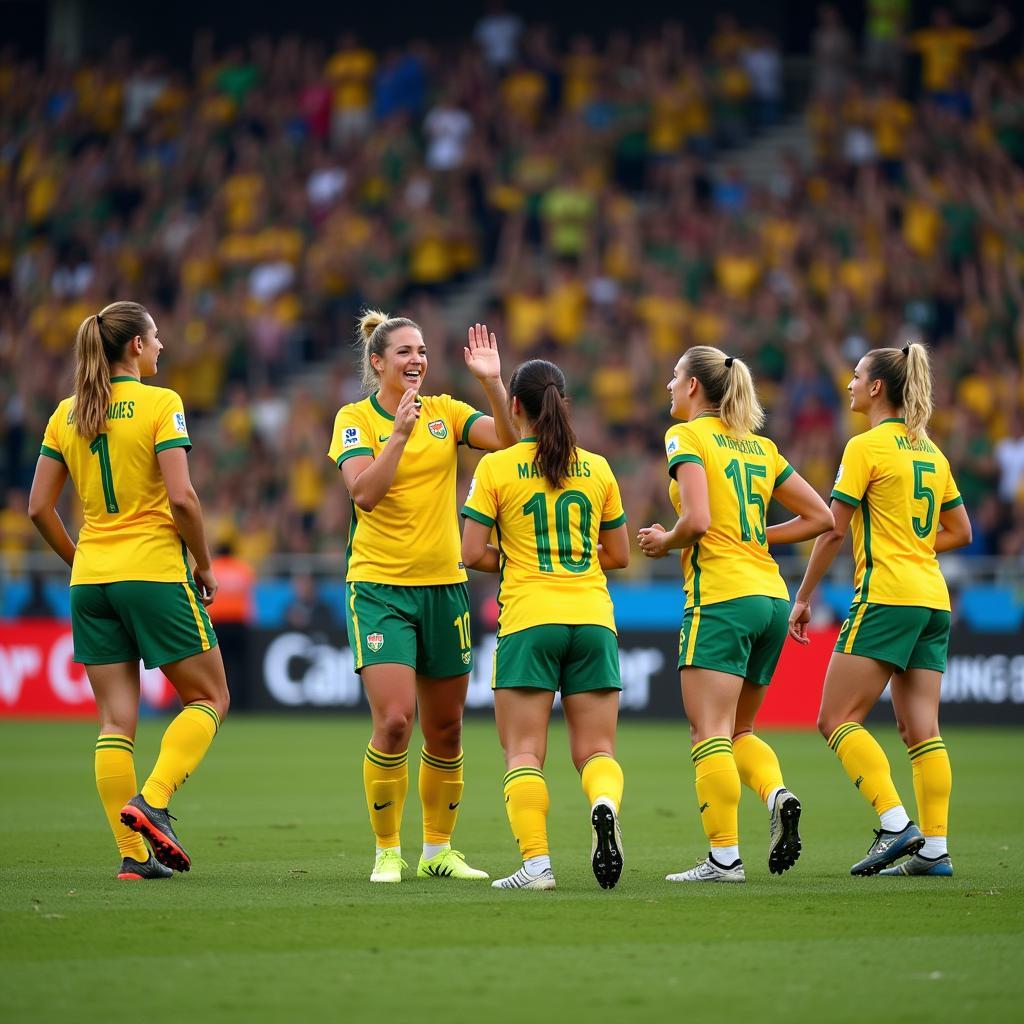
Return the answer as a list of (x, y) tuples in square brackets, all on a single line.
[(179, 423), (466, 655), (375, 641), (672, 446), (438, 429), (350, 438)]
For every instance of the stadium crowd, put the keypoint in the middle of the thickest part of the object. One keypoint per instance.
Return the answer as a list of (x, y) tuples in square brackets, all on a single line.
[(580, 195)]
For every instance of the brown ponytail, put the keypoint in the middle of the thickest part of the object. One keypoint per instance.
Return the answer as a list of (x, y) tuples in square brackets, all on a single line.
[(540, 388), (906, 377), (374, 329), (100, 341)]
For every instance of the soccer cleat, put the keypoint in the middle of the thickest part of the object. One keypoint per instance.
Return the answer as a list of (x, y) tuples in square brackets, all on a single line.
[(388, 866), (448, 864), (937, 867), (522, 879), (136, 871), (889, 847), (784, 844), (709, 871), (154, 824), (606, 848)]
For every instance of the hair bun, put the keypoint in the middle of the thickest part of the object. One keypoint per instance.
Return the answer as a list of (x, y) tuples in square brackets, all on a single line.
[(370, 321)]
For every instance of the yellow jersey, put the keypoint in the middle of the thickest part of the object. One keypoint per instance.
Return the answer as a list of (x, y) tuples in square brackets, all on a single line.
[(549, 569), (731, 560), (128, 532), (409, 539), (898, 488)]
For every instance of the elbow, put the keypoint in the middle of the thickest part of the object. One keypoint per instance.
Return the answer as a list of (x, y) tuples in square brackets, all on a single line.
[(825, 522), (832, 535), (182, 501), (364, 504), (699, 525), (37, 511), (471, 557)]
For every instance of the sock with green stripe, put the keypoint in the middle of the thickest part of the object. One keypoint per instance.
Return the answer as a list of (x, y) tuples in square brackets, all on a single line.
[(526, 804), (115, 783), (386, 783), (865, 763), (933, 782), (718, 793), (601, 776), (440, 786), (184, 745)]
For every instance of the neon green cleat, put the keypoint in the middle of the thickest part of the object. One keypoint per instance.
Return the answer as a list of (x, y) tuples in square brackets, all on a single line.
[(388, 867), (448, 864)]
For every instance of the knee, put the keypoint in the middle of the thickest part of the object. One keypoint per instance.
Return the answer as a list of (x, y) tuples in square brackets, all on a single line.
[(221, 704), (740, 733), (826, 724), (394, 728), (445, 736)]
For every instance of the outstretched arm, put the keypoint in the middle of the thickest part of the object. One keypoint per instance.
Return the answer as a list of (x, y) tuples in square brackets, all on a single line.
[(497, 431)]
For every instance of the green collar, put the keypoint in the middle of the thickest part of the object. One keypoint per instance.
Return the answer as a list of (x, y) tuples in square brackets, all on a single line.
[(121, 380), (894, 419), (383, 412), (701, 415), (526, 440)]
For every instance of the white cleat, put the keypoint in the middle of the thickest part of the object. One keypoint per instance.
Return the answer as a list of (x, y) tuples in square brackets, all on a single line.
[(522, 879), (708, 871)]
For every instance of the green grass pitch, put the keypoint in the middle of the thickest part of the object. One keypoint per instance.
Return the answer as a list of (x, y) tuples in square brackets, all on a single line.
[(278, 921)]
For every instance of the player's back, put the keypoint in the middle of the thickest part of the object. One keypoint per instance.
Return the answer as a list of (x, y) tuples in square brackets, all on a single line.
[(128, 532)]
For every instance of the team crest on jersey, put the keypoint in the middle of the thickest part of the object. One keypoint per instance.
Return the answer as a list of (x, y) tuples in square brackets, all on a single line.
[(438, 429), (179, 423), (375, 641), (350, 437), (465, 657)]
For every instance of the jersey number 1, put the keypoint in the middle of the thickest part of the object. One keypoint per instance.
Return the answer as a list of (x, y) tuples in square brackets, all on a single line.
[(102, 449)]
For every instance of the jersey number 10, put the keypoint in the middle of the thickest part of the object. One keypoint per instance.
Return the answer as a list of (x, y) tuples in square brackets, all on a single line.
[(538, 507)]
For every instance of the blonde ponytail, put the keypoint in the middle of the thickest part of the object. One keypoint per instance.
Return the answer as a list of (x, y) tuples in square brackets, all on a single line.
[(374, 329), (727, 384), (906, 377), (100, 341)]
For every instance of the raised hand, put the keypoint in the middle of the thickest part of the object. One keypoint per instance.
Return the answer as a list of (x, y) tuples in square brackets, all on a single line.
[(407, 413), (482, 354)]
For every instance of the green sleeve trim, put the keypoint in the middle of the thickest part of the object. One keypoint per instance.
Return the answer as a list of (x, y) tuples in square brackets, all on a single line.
[(471, 513), (846, 499), (678, 460), (952, 503), (784, 476), (353, 451), (174, 442), (465, 430), (614, 524), (51, 452)]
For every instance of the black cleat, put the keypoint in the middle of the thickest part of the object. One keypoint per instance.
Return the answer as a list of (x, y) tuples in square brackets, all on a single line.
[(606, 850), (136, 871), (154, 824), (784, 846)]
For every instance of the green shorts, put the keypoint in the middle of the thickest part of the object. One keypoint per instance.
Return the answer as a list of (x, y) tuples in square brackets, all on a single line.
[(573, 659), (903, 636), (426, 628), (742, 637), (157, 622)]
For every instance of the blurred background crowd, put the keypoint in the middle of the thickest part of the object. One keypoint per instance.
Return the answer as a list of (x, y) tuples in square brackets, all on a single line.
[(593, 198)]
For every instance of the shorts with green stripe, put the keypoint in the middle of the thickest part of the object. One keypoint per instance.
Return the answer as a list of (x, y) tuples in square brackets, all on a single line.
[(904, 636), (129, 620), (573, 659), (742, 637), (426, 628)]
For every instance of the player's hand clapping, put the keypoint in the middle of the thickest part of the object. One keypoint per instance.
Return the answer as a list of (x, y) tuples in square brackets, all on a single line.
[(653, 541), (407, 413)]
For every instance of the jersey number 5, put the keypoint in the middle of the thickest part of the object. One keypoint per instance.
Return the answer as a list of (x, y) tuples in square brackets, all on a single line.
[(101, 448), (923, 527)]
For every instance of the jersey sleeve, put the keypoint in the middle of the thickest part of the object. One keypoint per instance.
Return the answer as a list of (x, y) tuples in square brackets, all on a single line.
[(463, 417), (951, 493), (612, 514), (482, 500), (169, 430), (783, 470), (51, 438), (350, 436), (854, 473), (682, 445)]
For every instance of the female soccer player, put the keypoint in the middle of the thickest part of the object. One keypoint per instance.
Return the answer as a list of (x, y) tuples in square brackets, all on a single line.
[(559, 520), (723, 477), (124, 445), (408, 604), (896, 488)]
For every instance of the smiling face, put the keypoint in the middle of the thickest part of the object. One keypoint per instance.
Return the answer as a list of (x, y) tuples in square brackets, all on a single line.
[(681, 392), (404, 362), (152, 346)]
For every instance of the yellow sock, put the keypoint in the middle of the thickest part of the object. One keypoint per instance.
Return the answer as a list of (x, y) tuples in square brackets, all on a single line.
[(441, 787), (184, 745), (757, 764), (115, 782), (866, 764), (526, 804), (933, 782), (386, 782), (718, 790), (601, 776)]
